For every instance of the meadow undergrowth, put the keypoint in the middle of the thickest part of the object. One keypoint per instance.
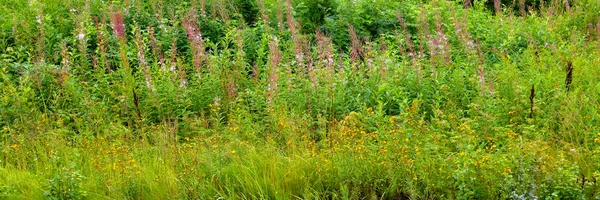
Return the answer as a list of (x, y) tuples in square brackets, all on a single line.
[(303, 99)]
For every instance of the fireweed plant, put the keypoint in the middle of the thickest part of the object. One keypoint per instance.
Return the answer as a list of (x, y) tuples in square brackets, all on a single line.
[(307, 99)]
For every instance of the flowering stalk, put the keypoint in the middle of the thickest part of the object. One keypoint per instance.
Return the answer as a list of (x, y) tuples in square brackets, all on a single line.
[(497, 6), (264, 14), (290, 17), (231, 89), (82, 42), (62, 73), (239, 54), (173, 63), (118, 26), (325, 48), (156, 48), (65, 55), (173, 55), (326, 51), (40, 44), (409, 41), (101, 43), (467, 4), (522, 7), (368, 54), (157, 8), (128, 79), (424, 34), (384, 58), (297, 41), (311, 76), (119, 31), (356, 47), (462, 32), (279, 16), (310, 68), (222, 10), (274, 60), (142, 58), (598, 29), (441, 45), (195, 39), (203, 8)]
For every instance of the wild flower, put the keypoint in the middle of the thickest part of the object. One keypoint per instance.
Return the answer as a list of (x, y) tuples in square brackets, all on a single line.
[(156, 48), (231, 89), (356, 51), (598, 28), (290, 17), (279, 16), (409, 41), (275, 58), (368, 54), (81, 36), (38, 19), (142, 58), (467, 3), (263, 13), (101, 42), (424, 34), (195, 39), (116, 19), (65, 55), (325, 50), (173, 55), (497, 6)]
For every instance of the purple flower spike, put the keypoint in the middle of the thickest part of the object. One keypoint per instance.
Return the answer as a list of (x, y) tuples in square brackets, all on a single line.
[(119, 26)]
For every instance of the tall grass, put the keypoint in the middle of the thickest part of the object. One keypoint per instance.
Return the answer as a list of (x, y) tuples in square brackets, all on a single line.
[(192, 100)]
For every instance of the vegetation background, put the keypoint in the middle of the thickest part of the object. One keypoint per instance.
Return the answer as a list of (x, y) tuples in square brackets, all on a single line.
[(303, 99)]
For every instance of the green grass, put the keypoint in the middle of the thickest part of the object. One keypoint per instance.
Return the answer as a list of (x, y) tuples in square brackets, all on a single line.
[(453, 104)]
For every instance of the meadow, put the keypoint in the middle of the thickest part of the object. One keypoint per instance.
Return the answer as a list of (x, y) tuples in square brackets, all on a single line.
[(302, 99)]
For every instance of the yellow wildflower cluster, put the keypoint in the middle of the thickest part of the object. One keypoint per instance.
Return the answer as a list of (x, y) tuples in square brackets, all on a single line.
[(511, 134), (466, 128), (506, 171), (116, 161)]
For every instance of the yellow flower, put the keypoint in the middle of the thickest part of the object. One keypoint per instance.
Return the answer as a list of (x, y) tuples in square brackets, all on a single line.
[(451, 116), (464, 126), (512, 134), (506, 171)]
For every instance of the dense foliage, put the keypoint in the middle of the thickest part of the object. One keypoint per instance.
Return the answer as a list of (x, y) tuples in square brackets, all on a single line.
[(310, 99)]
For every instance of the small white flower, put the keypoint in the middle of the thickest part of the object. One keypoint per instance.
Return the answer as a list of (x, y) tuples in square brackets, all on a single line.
[(81, 36)]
